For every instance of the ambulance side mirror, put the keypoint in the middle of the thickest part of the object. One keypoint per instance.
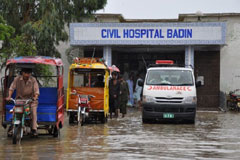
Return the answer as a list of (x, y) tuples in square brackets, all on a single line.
[(200, 81), (140, 83), (198, 84)]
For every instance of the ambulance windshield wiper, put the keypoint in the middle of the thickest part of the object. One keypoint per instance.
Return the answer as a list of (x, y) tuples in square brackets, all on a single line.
[(184, 84), (167, 84)]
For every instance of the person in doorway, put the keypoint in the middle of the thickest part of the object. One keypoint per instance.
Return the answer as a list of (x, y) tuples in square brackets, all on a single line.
[(114, 90), (100, 82), (123, 96), (138, 91), (130, 87), (26, 87)]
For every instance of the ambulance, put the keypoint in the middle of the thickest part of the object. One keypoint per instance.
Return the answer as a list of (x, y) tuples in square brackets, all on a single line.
[(169, 93)]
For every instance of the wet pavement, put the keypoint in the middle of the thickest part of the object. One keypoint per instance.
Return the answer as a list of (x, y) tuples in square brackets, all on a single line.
[(215, 135)]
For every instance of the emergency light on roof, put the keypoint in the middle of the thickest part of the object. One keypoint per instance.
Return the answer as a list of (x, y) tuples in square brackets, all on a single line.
[(164, 62)]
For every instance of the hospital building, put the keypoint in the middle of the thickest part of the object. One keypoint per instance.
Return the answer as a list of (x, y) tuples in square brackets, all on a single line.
[(209, 43)]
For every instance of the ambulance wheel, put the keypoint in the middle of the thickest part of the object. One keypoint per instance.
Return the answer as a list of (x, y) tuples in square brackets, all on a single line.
[(192, 121), (144, 120)]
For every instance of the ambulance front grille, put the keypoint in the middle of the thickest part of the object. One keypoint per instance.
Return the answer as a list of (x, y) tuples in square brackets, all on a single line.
[(172, 110), (169, 100)]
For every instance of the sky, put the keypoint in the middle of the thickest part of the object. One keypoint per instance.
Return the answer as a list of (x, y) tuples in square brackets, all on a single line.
[(168, 9)]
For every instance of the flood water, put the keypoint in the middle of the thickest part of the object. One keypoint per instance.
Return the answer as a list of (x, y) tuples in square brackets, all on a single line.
[(215, 135)]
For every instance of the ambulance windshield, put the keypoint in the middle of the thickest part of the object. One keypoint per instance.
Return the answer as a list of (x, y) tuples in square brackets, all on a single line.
[(170, 77)]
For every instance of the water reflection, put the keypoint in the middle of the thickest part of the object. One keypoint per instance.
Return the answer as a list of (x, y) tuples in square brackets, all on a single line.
[(214, 136)]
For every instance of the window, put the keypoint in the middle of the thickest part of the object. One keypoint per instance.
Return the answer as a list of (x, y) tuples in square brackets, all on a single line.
[(169, 77), (88, 78)]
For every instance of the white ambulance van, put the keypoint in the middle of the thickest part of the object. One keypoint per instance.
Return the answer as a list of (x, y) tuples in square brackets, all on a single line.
[(169, 93)]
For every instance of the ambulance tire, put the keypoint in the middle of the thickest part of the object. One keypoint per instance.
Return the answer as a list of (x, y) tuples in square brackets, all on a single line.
[(144, 120), (192, 121)]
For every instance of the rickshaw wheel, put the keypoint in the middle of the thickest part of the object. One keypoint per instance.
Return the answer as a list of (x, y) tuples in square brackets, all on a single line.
[(104, 119), (56, 132), (71, 118), (4, 126), (50, 129)]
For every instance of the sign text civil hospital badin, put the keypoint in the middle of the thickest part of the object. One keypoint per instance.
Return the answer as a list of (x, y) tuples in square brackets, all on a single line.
[(148, 33)]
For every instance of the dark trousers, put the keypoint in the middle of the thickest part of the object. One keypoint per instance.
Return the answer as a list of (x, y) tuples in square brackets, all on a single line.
[(123, 107), (113, 105)]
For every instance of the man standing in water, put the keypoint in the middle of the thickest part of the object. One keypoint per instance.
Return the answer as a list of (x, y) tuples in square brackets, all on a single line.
[(26, 88), (123, 96), (114, 90)]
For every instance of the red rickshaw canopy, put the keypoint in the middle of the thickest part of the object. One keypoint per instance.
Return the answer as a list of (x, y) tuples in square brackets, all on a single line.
[(36, 60)]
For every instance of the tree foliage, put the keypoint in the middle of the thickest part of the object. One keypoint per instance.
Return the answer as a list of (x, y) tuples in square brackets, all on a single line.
[(5, 33), (40, 24), (5, 30)]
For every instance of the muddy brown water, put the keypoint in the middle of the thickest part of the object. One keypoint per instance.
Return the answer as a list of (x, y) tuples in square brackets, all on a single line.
[(215, 135)]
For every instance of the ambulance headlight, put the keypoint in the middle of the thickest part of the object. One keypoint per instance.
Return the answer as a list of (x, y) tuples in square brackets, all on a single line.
[(148, 99), (190, 100)]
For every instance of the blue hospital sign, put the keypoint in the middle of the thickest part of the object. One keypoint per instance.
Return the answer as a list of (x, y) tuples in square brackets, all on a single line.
[(147, 33)]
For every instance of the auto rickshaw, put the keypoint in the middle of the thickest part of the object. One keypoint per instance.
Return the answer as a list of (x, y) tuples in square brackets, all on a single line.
[(88, 92), (233, 100), (49, 75)]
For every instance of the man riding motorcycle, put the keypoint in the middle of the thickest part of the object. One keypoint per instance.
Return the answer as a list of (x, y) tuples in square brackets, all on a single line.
[(26, 87)]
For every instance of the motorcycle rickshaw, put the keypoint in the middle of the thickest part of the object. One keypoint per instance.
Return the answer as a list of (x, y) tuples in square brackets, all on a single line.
[(50, 111), (88, 92), (233, 100)]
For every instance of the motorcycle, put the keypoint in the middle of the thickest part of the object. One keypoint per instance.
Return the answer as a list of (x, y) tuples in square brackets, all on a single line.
[(21, 120), (83, 108), (233, 100)]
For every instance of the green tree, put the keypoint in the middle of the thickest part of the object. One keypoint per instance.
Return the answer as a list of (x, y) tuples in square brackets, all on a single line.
[(41, 23), (6, 32)]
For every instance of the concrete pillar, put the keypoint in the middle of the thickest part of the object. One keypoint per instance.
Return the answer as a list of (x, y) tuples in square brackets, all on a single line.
[(1, 42), (107, 55), (189, 56)]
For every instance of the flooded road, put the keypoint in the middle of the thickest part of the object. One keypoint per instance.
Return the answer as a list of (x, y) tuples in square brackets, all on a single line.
[(215, 135)]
